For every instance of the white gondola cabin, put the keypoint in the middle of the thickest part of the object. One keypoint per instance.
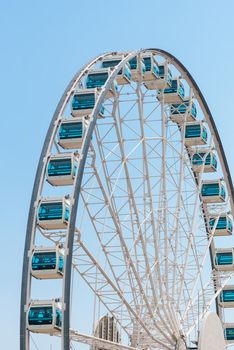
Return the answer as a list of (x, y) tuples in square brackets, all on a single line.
[(97, 79), (72, 132), (183, 112), (53, 213), (213, 191), (124, 76), (221, 225), (45, 316), (156, 76), (195, 134), (229, 332), (47, 262), (204, 161), (173, 94), (62, 169), (83, 103), (224, 259), (226, 297), (137, 67)]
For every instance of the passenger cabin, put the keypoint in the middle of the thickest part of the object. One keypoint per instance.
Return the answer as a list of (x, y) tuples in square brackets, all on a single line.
[(124, 75), (224, 259), (226, 297), (157, 76), (229, 332), (71, 133), (173, 94), (213, 191), (195, 134), (62, 169), (53, 213), (97, 79), (204, 161), (137, 67), (183, 112), (222, 225), (45, 316), (47, 262), (83, 103)]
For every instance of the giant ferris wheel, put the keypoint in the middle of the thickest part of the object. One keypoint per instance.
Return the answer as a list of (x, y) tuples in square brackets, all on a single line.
[(133, 200)]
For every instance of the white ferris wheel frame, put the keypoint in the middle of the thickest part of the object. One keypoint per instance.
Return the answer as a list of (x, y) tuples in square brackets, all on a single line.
[(76, 250)]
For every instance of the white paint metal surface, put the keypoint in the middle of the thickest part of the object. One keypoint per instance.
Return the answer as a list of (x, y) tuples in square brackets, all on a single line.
[(211, 334)]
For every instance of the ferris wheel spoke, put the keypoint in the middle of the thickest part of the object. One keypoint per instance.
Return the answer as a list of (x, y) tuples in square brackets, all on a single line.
[(134, 206), (176, 223), (179, 200), (189, 245), (109, 286), (146, 178), (95, 219), (132, 202), (100, 283), (135, 278), (108, 199), (163, 195), (201, 265), (113, 255), (199, 262)]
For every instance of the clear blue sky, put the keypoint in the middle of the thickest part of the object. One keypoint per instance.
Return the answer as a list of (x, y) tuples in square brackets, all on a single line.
[(43, 43)]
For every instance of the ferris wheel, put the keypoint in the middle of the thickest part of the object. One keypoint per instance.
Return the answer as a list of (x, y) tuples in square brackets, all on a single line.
[(133, 203)]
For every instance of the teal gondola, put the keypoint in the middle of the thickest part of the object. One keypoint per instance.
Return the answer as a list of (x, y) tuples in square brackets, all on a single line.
[(195, 134), (84, 101), (62, 169), (124, 75), (181, 112), (47, 262), (224, 259), (173, 94), (53, 213), (97, 79), (229, 332), (222, 225), (156, 76), (44, 317), (137, 68), (72, 132), (213, 191), (226, 297), (204, 161)]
